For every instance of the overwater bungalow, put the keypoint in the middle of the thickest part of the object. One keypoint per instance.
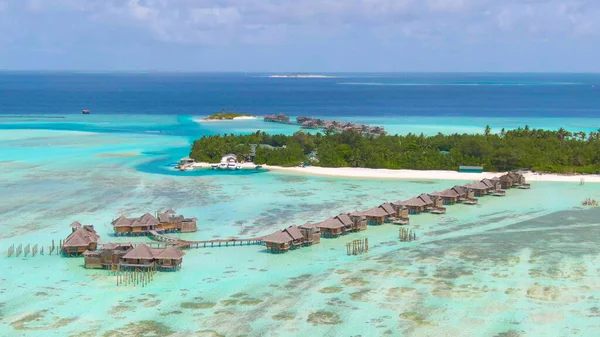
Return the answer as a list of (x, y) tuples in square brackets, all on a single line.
[(169, 221), (344, 218), (311, 233), (506, 182), (281, 118), (465, 195), (518, 178), (492, 184), (448, 197), (135, 226), (80, 240), (144, 257), (282, 241), (330, 228), (359, 220), (429, 202), (376, 216), (479, 188), (415, 205)]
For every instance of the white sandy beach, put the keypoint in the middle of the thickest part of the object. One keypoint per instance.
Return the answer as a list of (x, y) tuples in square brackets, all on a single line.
[(357, 172), (354, 172)]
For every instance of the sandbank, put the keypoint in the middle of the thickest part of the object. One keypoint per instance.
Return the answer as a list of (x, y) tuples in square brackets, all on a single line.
[(240, 118)]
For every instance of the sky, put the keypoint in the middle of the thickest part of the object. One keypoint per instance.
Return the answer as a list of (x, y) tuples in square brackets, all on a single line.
[(301, 35)]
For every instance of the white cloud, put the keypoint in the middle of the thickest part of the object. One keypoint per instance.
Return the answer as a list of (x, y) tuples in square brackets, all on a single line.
[(265, 21)]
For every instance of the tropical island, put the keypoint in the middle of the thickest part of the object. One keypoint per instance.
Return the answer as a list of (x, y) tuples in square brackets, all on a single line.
[(225, 115), (535, 149)]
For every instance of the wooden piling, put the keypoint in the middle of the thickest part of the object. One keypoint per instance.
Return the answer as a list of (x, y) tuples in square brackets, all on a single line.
[(34, 250), (42, 250), (19, 249)]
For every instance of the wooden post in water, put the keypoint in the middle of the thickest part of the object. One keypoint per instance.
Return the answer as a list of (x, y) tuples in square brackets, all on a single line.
[(19, 249), (34, 250), (26, 251), (11, 250), (366, 245), (42, 250), (348, 248)]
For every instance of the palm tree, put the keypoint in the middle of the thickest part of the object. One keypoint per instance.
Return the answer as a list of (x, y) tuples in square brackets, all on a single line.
[(502, 132), (488, 130), (562, 134)]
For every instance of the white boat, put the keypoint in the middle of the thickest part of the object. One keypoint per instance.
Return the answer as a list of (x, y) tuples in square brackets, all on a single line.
[(232, 166), (223, 166)]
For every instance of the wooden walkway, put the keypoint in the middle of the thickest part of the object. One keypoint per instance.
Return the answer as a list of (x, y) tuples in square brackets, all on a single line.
[(169, 240)]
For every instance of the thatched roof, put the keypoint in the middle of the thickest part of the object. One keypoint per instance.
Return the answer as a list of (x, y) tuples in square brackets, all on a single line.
[(170, 211), (507, 178), (460, 190), (414, 202), (398, 203), (163, 217), (426, 198), (148, 219), (294, 232), (488, 183), (388, 208), (449, 193), (170, 253), (330, 223), (345, 219), (81, 237), (90, 253), (477, 186), (76, 224), (121, 221), (140, 252), (356, 213), (376, 212), (278, 237)]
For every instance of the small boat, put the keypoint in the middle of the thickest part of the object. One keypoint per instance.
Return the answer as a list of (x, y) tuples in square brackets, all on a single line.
[(232, 166), (214, 166), (85, 112)]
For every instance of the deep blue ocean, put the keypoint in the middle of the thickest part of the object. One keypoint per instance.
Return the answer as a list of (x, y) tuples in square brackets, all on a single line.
[(478, 94)]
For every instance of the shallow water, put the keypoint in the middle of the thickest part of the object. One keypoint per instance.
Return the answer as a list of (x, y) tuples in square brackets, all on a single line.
[(526, 264)]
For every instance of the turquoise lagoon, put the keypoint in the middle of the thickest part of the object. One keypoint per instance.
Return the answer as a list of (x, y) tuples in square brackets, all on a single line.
[(522, 265)]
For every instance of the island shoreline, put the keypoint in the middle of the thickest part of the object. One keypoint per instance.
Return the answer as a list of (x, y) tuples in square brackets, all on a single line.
[(401, 174)]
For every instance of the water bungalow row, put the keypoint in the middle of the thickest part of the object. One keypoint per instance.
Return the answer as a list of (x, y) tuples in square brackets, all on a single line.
[(83, 241), (396, 212), (317, 123), (165, 222)]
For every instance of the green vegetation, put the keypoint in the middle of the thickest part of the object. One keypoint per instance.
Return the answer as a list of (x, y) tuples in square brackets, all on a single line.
[(539, 150), (226, 115)]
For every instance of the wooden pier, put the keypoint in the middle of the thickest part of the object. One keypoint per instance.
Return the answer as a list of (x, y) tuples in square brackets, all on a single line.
[(171, 241)]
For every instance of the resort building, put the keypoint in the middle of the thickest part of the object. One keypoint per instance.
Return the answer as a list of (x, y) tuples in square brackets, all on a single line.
[(479, 188), (167, 221), (492, 184), (144, 257), (344, 218), (311, 233), (415, 205), (282, 241), (376, 216), (330, 228), (281, 118), (359, 220), (448, 197), (506, 182), (81, 239)]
